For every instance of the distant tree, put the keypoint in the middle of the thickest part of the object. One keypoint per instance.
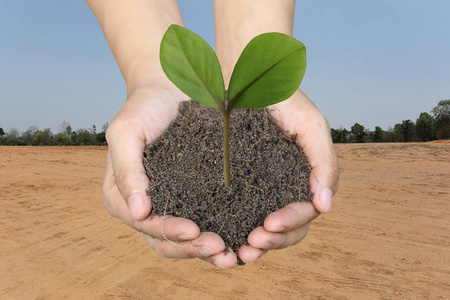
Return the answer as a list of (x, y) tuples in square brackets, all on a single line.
[(74, 137), (398, 133), (62, 139), (2, 133), (377, 135), (93, 132), (63, 126), (390, 135), (101, 138), (105, 127), (13, 133), (12, 138), (336, 135), (374, 136), (84, 137), (358, 133), (408, 130), (444, 132), (425, 130), (441, 112), (68, 130), (368, 136), (442, 119), (346, 135), (44, 138), (28, 136)]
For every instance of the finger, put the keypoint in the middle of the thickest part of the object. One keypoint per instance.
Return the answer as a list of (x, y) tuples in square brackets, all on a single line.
[(112, 199), (265, 240), (323, 161), (298, 115), (249, 254), (292, 216), (176, 229), (324, 178), (168, 228), (126, 151), (206, 245), (223, 260), (142, 119)]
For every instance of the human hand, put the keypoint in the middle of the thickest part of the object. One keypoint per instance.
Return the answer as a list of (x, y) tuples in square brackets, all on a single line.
[(289, 225), (145, 115)]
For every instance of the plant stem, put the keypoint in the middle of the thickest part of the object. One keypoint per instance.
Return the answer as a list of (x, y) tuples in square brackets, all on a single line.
[(226, 147)]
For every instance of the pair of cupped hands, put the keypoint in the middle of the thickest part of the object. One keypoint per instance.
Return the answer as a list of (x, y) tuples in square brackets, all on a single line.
[(146, 114)]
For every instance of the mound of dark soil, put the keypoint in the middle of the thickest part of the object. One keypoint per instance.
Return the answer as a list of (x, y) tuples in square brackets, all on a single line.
[(268, 171)]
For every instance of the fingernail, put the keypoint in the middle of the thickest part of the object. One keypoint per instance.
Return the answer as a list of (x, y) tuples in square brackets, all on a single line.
[(135, 204), (218, 265), (187, 236), (325, 199), (277, 229), (205, 251), (267, 245), (250, 254)]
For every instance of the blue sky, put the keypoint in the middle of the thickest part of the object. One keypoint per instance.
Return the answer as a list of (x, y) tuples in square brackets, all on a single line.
[(372, 62)]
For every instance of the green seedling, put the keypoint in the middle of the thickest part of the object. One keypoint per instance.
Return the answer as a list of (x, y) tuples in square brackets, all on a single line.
[(269, 70)]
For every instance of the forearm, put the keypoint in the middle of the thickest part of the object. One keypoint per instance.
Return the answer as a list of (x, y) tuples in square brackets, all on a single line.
[(238, 21), (134, 29)]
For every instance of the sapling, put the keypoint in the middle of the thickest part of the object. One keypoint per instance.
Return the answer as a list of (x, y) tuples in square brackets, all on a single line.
[(269, 70)]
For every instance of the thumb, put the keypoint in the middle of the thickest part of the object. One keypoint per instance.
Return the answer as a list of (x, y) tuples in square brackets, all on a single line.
[(298, 115), (129, 172), (324, 178), (318, 147)]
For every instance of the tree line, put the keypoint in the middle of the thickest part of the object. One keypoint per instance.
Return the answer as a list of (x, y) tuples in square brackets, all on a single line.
[(428, 127), (45, 137)]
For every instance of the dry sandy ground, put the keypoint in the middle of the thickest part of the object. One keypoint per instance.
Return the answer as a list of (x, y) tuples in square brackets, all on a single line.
[(386, 238)]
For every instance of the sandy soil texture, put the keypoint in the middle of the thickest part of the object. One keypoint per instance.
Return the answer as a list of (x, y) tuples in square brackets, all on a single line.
[(387, 236)]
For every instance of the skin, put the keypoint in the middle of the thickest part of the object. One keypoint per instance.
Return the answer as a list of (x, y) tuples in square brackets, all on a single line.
[(134, 30), (237, 22)]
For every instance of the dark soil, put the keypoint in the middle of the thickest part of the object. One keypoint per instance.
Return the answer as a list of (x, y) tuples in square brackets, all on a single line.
[(268, 171)]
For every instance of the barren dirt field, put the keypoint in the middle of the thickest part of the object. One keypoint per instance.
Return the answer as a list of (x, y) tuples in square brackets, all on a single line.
[(387, 237)]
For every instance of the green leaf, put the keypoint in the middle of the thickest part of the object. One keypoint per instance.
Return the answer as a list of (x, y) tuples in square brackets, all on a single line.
[(269, 70), (192, 65)]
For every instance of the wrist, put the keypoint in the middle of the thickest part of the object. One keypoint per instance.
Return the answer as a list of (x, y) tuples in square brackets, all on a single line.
[(161, 87)]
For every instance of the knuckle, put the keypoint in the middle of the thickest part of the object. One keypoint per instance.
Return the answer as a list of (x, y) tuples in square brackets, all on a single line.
[(113, 127), (118, 126), (120, 174), (161, 250), (108, 207), (318, 120), (304, 231), (335, 175), (156, 244), (110, 131), (107, 201)]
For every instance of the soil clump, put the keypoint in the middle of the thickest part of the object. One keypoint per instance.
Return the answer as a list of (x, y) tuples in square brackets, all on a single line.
[(268, 171)]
